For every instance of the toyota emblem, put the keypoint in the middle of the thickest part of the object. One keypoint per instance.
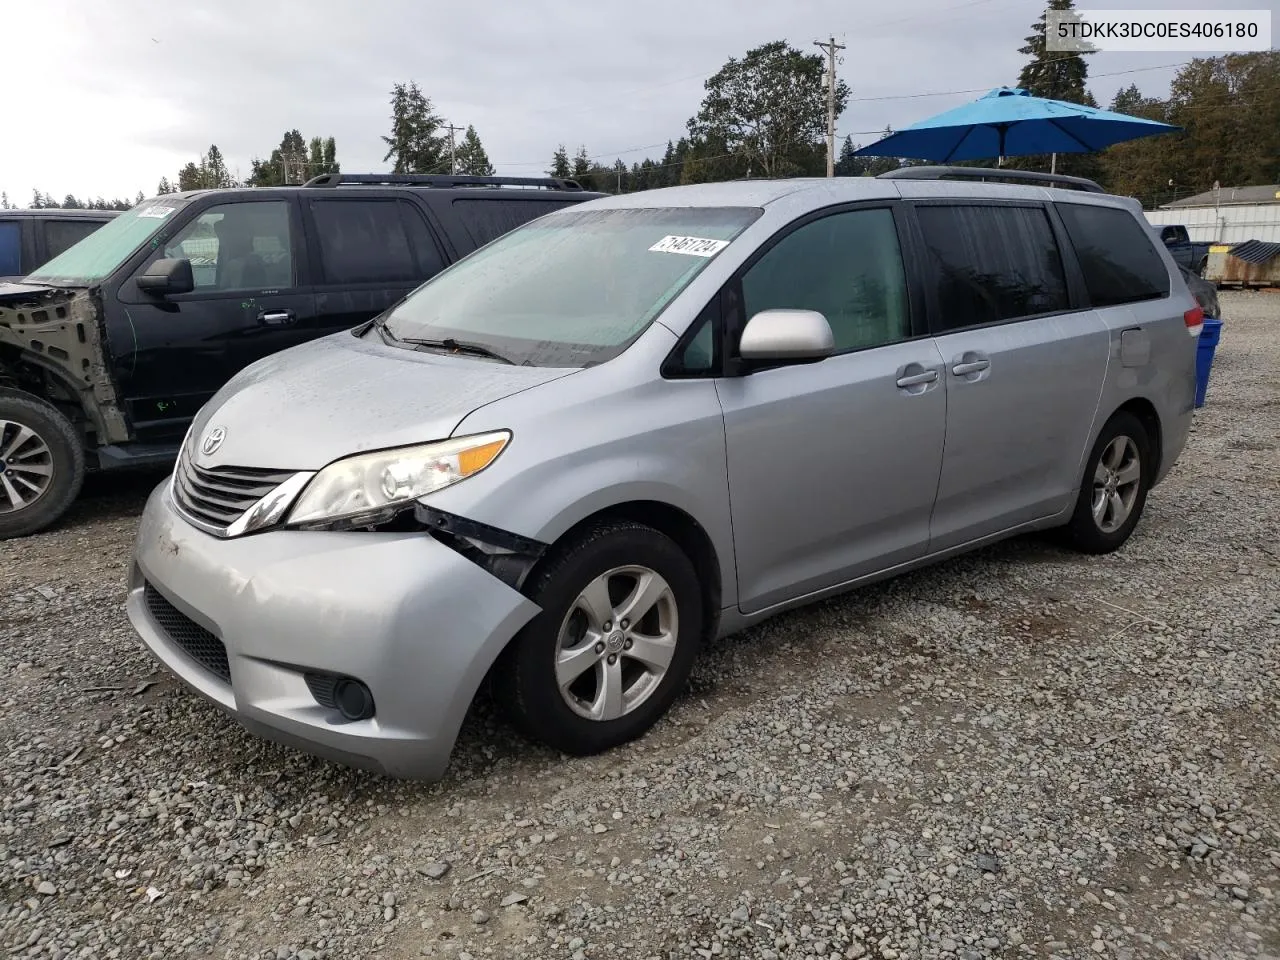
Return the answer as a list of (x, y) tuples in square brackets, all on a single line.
[(213, 440)]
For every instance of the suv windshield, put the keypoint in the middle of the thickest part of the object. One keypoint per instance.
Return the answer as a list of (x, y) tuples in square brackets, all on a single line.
[(572, 288), (96, 256)]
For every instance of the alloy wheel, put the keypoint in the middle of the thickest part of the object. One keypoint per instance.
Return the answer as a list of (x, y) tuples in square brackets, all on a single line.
[(616, 643), (1116, 481), (26, 466)]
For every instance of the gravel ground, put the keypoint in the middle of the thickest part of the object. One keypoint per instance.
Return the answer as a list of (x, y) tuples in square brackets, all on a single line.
[(1020, 753)]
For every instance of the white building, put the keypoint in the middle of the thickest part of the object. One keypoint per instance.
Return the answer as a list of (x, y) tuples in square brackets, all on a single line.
[(1227, 214)]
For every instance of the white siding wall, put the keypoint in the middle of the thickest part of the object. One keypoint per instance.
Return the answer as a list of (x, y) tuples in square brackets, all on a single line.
[(1228, 224)]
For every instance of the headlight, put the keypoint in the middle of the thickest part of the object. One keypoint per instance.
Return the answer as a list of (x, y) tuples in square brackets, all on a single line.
[(375, 486)]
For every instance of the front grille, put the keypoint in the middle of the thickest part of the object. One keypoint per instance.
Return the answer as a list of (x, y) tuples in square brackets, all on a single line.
[(218, 497), (196, 642)]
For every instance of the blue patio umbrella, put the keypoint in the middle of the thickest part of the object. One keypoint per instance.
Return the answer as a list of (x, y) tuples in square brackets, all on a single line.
[(1009, 122)]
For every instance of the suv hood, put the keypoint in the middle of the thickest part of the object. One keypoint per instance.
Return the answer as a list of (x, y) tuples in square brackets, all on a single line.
[(307, 406)]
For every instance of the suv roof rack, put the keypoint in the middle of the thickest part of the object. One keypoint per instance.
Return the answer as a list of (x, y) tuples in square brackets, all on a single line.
[(990, 173), (447, 180)]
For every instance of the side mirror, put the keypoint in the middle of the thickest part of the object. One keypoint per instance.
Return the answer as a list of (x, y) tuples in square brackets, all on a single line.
[(787, 335), (168, 276)]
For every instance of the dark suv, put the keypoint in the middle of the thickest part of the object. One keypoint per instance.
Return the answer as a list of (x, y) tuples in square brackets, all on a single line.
[(109, 349), (31, 238)]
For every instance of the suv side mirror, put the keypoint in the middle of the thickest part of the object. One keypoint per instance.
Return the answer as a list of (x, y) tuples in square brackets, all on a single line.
[(786, 335), (168, 276)]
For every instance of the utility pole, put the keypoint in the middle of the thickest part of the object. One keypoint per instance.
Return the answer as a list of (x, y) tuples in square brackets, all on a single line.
[(453, 166), (831, 48)]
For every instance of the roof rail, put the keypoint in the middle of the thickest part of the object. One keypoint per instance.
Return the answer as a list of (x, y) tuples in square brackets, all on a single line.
[(990, 173), (447, 180)]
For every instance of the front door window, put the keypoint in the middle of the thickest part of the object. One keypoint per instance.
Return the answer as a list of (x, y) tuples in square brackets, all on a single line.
[(238, 246)]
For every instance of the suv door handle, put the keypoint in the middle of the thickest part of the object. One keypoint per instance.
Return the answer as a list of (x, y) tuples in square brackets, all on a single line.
[(915, 379), (276, 317)]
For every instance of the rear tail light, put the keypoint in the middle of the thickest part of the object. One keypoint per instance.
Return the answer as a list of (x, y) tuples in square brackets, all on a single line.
[(1194, 319)]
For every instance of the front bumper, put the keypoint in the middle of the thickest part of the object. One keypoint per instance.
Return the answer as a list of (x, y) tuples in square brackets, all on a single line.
[(417, 622)]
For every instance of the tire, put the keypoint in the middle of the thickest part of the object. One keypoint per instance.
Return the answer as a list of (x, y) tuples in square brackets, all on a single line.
[(34, 435), (1123, 441), (526, 683)]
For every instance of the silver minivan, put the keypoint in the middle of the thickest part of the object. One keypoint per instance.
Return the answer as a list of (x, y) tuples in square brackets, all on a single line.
[(651, 419)]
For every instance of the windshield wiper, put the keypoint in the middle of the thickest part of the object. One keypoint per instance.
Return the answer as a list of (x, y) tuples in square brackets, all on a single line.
[(459, 346)]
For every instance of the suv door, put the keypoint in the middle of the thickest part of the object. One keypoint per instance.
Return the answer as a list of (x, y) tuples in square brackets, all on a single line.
[(1024, 365), (368, 252), (251, 298), (833, 465)]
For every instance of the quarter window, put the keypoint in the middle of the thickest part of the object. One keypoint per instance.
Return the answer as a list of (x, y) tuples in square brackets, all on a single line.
[(373, 241), (60, 235), (1118, 259), (992, 263), (487, 219), (238, 246), (848, 267)]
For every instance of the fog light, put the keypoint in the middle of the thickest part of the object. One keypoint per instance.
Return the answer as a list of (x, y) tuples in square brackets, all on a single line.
[(353, 699)]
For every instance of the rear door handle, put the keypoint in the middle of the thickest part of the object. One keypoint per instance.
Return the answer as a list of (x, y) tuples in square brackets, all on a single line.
[(915, 379), (970, 366), (276, 317)]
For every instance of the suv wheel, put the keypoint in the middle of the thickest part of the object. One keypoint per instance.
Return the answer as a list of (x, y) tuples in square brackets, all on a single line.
[(41, 464), (1114, 492), (615, 641)]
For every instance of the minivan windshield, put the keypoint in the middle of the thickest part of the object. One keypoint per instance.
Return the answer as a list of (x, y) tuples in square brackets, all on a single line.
[(97, 256), (573, 288)]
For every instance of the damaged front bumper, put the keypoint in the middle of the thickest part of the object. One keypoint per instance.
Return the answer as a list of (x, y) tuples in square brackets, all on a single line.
[(252, 622)]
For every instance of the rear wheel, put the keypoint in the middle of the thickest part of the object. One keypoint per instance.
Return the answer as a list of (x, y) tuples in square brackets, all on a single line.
[(1114, 491), (41, 464), (618, 633)]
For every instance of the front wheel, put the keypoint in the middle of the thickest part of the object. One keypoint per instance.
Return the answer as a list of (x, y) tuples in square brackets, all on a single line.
[(1114, 492), (41, 464), (613, 645)]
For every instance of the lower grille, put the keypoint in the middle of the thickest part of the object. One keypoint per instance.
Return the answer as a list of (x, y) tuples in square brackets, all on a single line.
[(197, 642), (218, 497)]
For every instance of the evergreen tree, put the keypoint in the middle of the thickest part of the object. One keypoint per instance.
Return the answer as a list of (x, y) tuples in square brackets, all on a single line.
[(470, 157), (560, 163), (1057, 75), (414, 145), (37, 200), (581, 165), (4, 201), (69, 202), (165, 187)]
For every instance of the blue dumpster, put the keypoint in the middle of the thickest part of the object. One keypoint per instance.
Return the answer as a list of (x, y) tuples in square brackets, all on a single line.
[(1204, 356)]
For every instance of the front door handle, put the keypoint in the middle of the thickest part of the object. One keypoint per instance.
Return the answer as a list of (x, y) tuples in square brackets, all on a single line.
[(970, 366), (276, 317), (915, 379)]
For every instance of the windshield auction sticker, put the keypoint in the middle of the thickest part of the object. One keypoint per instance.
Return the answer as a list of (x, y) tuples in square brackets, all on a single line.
[(692, 246), (156, 211)]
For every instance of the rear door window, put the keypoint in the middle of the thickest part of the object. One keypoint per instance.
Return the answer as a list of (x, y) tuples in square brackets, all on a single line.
[(487, 219), (60, 235), (1118, 259), (10, 248), (991, 263), (373, 241)]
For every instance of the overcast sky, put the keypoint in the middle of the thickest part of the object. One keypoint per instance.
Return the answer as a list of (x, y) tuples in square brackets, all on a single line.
[(105, 98)]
